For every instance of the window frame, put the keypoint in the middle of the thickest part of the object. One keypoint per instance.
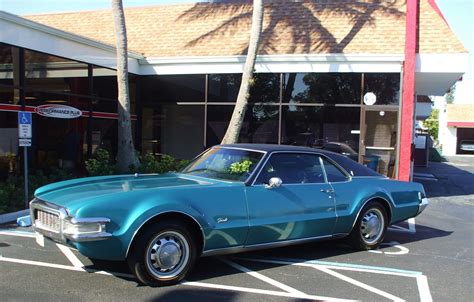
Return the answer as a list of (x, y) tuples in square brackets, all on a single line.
[(258, 167), (320, 155)]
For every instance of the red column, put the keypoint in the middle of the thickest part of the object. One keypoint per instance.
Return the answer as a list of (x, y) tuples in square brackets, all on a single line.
[(408, 91)]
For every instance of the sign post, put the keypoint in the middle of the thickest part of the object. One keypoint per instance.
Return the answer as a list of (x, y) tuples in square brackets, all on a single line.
[(24, 136)]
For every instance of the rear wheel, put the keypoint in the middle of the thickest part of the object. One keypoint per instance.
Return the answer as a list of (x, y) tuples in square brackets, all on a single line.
[(163, 255), (370, 228)]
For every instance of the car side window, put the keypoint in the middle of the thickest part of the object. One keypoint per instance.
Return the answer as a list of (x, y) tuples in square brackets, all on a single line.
[(333, 173), (292, 168)]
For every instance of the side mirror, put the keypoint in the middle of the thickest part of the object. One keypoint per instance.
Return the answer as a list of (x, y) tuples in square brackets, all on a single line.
[(274, 182)]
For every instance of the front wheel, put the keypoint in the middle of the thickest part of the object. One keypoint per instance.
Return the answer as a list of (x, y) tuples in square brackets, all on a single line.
[(163, 254), (370, 228)]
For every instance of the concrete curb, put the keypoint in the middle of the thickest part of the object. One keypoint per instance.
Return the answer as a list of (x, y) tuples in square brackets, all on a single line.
[(11, 217)]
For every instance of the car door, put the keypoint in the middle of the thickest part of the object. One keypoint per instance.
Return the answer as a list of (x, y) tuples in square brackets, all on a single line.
[(302, 207)]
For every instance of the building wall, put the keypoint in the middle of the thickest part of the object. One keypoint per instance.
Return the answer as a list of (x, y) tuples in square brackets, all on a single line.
[(449, 141)]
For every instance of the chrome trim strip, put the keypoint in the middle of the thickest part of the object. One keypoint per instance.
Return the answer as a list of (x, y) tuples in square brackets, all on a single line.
[(424, 203), (348, 175), (247, 248), (239, 148), (321, 163), (88, 237), (89, 220), (167, 212)]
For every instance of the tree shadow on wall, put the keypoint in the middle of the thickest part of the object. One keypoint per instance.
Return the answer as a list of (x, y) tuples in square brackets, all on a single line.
[(304, 20)]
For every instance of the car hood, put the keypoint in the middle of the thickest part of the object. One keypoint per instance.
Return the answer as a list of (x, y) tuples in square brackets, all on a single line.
[(67, 193)]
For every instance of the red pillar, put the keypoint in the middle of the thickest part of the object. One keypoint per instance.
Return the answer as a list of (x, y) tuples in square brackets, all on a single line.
[(408, 91)]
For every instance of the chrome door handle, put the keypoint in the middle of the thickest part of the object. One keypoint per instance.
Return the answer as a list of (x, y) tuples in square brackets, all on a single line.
[(327, 190)]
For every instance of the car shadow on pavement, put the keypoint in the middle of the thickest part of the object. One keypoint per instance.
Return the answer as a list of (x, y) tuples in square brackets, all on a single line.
[(208, 269), (189, 294)]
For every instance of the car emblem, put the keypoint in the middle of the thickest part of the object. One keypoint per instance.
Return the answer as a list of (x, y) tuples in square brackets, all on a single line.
[(222, 219)]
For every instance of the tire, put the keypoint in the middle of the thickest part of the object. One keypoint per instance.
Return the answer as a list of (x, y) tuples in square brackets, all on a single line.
[(370, 228), (163, 254)]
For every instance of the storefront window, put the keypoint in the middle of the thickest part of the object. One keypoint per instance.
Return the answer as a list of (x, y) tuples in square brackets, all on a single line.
[(224, 87), (321, 88), (58, 142), (176, 130), (385, 86), (380, 139), (316, 126), (8, 95), (54, 80), (103, 135), (9, 150), (265, 88), (260, 124), (173, 88)]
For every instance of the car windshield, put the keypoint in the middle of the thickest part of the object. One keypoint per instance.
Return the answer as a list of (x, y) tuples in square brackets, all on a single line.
[(225, 163)]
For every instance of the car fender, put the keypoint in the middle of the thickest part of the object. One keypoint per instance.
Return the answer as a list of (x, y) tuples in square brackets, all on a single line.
[(379, 194), (135, 224)]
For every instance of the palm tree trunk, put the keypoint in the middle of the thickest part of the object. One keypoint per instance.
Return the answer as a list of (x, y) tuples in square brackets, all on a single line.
[(126, 157), (232, 134)]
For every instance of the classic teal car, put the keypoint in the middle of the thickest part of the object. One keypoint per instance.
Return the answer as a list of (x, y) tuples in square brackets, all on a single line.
[(229, 199)]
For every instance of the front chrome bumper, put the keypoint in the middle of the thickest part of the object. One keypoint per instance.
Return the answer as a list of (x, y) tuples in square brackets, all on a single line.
[(51, 221), (424, 203)]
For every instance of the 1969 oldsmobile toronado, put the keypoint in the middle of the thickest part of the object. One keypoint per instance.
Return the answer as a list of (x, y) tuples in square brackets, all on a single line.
[(229, 199)]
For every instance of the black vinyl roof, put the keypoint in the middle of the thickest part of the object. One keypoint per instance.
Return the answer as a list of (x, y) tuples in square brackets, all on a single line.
[(348, 164)]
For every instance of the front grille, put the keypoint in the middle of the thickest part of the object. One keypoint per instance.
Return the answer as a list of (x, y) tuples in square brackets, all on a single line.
[(48, 221)]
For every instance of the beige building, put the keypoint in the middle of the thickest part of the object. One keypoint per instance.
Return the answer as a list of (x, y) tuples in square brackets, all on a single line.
[(456, 126)]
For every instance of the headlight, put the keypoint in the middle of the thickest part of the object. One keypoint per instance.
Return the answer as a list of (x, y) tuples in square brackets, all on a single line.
[(84, 226)]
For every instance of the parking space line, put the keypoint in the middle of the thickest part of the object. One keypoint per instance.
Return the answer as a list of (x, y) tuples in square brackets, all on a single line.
[(359, 284), (411, 227), (263, 278), (337, 266), (198, 284), (18, 233), (70, 256), (402, 250), (424, 289), (38, 263), (65, 267), (264, 292)]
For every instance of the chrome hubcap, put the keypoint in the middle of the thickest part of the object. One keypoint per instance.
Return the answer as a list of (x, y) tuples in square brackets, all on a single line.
[(372, 225), (167, 254)]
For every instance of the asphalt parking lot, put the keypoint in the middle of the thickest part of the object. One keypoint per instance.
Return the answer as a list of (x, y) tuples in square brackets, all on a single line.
[(424, 259)]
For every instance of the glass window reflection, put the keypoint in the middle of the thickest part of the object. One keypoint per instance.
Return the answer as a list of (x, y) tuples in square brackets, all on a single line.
[(224, 87), (260, 124), (385, 86), (173, 88), (316, 126), (322, 88)]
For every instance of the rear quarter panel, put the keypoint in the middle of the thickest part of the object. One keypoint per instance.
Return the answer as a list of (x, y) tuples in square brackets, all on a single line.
[(351, 196)]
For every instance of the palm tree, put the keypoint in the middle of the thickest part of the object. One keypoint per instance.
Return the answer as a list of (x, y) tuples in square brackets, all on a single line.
[(232, 134), (126, 157)]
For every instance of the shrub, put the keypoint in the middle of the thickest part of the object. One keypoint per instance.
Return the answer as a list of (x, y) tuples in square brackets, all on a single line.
[(12, 189), (166, 163), (100, 164)]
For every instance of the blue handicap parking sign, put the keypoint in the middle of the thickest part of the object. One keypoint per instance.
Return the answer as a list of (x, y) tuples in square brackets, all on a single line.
[(24, 118)]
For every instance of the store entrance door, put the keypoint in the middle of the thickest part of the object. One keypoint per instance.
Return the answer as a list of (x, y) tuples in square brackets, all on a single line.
[(377, 145)]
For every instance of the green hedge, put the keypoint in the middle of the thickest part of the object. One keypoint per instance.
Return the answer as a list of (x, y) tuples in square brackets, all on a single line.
[(102, 164), (12, 189), (12, 193)]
